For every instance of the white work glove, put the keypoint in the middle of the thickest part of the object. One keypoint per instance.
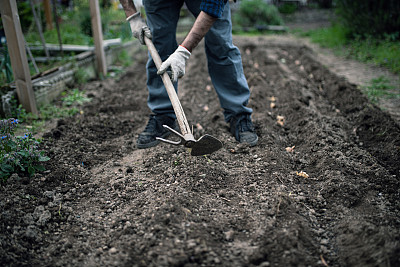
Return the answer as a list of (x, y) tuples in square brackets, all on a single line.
[(177, 63), (139, 27)]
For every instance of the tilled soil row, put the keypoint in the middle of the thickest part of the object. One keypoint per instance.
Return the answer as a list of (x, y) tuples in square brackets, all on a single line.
[(321, 187)]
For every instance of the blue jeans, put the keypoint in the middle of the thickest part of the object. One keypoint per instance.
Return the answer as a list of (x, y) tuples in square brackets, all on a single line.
[(224, 59)]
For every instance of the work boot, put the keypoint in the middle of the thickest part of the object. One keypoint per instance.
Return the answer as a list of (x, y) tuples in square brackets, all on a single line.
[(243, 130), (154, 128)]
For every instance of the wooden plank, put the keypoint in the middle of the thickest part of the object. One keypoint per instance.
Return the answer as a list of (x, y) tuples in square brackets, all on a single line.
[(75, 48), (16, 48), (98, 36)]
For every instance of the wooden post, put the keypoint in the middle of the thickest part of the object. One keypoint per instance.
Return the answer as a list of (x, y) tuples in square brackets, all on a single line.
[(39, 27), (98, 36), (16, 48), (57, 25), (47, 14)]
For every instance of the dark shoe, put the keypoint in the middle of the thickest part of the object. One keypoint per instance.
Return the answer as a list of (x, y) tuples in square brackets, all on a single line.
[(243, 130), (154, 128)]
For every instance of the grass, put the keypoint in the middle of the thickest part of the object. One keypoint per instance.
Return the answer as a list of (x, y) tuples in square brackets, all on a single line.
[(379, 88), (384, 53)]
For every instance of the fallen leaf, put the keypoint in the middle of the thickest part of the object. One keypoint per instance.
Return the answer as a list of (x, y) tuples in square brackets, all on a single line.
[(280, 120), (199, 127), (272, 105), (323, 261), (290, 149), (187, 211), (302, 174), (272, 99)]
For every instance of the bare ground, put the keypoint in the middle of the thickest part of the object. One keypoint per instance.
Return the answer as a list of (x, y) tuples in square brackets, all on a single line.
[(320, 189)]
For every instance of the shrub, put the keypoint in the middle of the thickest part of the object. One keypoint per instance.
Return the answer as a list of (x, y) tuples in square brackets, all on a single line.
[(255, 13), (287, 8), (378, 18), (18, 154)]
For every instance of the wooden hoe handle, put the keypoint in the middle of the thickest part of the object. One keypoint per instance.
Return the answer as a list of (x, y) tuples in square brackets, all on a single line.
[(180, 115)]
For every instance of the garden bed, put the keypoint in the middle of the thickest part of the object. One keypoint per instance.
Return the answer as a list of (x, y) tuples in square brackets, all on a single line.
[(320, 189)]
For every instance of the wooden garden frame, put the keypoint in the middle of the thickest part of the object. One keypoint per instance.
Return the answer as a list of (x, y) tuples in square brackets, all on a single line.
[(17, 51)]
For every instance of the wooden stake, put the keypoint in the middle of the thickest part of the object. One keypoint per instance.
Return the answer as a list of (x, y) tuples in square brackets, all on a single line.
[(98, 36), (47, 14), (39, 27), (57, 26), (16, 48)]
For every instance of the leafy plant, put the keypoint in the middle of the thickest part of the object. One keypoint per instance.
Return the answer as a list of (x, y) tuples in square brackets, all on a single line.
[(256, 13), (287, 8), (370, 17), (74, 97), (18, 154), (70, 101), (81, 76), (123, 59)]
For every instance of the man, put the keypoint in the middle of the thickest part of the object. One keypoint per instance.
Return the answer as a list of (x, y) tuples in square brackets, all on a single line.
[(213, 23)]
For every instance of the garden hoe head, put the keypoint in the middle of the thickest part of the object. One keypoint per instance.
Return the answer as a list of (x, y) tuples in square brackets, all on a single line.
[(206, 144)]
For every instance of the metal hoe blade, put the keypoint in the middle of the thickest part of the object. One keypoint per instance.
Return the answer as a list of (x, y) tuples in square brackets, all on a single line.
[(206, 144)]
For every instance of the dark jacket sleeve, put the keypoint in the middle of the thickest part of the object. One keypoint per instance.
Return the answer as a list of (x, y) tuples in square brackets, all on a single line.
[(213, 8)]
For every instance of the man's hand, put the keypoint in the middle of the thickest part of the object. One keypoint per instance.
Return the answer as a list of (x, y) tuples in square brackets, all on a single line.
[(139, 27), (177, 63)]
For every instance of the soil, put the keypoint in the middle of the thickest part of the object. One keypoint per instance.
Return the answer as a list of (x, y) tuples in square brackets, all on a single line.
[(320, 189)]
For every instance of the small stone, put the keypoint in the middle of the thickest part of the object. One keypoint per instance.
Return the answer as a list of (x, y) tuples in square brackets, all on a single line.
[(229, 235), (113, 250), (49, 194)]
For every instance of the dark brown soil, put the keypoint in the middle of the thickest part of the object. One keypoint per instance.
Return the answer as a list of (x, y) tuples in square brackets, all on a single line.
[(103, 202)]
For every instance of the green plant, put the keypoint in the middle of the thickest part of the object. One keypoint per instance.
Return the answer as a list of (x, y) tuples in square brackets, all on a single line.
[(123, 59), (70, 101), (287, 8), (81, 76), (257, 13), (18, 154), (370, 17), (5, 67), (74, 97), (378, 88)]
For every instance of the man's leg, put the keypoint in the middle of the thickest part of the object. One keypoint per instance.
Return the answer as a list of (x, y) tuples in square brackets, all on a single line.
[(225, 67), (162, 18), (226, 72)]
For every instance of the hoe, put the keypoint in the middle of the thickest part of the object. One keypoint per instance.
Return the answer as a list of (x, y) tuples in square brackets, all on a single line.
[(206, 144)]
